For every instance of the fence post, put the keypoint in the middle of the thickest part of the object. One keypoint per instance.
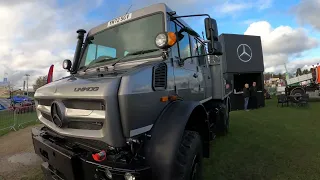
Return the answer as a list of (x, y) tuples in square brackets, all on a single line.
[(26, 113), (14, 120)]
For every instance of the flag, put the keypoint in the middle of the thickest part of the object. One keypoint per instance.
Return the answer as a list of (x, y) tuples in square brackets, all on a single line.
[(50, 74)]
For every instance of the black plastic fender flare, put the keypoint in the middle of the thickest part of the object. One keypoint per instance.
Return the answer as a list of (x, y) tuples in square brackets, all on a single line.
[(166, 136)]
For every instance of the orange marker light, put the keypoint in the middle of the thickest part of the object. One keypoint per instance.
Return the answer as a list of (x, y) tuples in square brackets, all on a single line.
[(172, 38), (164, 99)]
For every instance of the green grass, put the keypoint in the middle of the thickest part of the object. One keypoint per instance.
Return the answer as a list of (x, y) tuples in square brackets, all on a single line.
[(268, 143), (7, 119)]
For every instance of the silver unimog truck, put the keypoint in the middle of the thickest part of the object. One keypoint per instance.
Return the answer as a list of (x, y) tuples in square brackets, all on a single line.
[(145, 96)]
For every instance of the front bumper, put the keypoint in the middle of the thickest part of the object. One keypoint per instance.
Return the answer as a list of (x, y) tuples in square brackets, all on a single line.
[(61, 162)]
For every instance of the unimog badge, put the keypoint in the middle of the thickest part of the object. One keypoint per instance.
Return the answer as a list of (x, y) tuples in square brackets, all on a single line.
[(86, 89)]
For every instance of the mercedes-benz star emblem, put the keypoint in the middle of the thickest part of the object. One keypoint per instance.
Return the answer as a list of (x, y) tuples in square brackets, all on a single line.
[(57, 114), (244, 52)]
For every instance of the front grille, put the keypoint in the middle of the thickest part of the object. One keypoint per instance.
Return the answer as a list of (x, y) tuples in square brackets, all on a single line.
[(85, 125), (80, 114), (89, 125), (76, 103), (46, 116)]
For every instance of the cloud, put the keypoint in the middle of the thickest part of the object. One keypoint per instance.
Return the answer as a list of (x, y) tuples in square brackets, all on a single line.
[(235, 7), (291, 40), (181, 6), (281, 43), (228, 7), (264, 4), (36, 34), (302, 63), (307, 12)]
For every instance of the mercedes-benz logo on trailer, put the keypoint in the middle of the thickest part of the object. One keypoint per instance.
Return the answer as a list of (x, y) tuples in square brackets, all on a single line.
[(58, 114), (244, 52)]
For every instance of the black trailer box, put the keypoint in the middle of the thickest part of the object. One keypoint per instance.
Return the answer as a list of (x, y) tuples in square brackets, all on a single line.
[(242, 63)]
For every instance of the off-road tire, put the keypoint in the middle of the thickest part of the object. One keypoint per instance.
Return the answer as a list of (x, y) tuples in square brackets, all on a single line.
[(189, 157), (223, 123), (297, 91)]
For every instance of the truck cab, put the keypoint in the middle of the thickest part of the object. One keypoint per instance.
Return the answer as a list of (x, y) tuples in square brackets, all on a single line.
[(140, 92)]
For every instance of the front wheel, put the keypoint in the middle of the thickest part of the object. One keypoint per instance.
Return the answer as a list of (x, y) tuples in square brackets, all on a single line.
[(298, 92), (188, 164)]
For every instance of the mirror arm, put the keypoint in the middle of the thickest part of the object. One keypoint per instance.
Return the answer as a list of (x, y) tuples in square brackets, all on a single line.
[(194, 15), (181, 60)]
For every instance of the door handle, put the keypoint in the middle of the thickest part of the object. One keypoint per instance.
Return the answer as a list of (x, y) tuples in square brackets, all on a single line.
[(195, 75)]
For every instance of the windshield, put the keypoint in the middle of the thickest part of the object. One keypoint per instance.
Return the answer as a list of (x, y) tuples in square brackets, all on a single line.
[(122, 42)]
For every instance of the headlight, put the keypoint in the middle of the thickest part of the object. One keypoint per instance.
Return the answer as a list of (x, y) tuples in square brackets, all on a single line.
[(161, 40), (108, 173), (165, 40), (129, 176), (66, 64)]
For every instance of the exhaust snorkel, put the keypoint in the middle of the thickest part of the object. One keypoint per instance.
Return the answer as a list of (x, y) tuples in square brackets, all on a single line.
[(77, 53)]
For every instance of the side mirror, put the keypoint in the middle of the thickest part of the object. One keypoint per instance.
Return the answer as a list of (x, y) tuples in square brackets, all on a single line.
[(67, 64), (214, 46), (217, 48), (211, 29)]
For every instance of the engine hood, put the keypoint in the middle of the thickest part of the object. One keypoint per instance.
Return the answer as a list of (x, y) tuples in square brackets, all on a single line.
[(79, 87)]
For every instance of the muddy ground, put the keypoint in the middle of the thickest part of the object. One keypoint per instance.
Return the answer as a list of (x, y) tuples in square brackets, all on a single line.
[(17, 157)]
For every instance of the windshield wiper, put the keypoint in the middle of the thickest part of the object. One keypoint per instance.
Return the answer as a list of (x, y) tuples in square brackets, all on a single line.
[(95, 62), (140, 52), (143, 51)]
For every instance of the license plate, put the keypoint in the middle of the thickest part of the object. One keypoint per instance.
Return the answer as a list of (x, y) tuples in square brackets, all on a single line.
[(120, 19)]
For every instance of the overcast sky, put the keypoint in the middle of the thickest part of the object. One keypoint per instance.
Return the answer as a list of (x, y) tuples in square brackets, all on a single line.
[(35, 33)]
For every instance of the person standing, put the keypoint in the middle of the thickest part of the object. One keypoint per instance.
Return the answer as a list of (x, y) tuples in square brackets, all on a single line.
[(253, 96), (246, 95)]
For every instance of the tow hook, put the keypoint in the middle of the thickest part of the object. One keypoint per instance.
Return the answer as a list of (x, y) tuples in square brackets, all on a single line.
[(101, 156)]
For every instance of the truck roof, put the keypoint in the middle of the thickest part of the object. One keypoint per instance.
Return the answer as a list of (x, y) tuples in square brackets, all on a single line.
[(139, 13)]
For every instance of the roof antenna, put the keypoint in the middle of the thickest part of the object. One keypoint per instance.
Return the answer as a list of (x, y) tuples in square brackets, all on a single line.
[(129, 9)]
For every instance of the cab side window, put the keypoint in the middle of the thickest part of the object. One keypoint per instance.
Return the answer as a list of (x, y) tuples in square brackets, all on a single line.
[(194, 46), (201, 51), (184, 44)]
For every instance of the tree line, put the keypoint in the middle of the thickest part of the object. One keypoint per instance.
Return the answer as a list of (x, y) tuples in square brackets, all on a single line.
[(40, 81), (298, 72)]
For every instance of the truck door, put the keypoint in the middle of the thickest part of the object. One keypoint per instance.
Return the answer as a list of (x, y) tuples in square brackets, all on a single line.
[(187, 75), (205, 81)]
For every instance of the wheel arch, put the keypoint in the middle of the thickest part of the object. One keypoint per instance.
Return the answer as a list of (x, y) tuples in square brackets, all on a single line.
[(167, 133), (202, 127)]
